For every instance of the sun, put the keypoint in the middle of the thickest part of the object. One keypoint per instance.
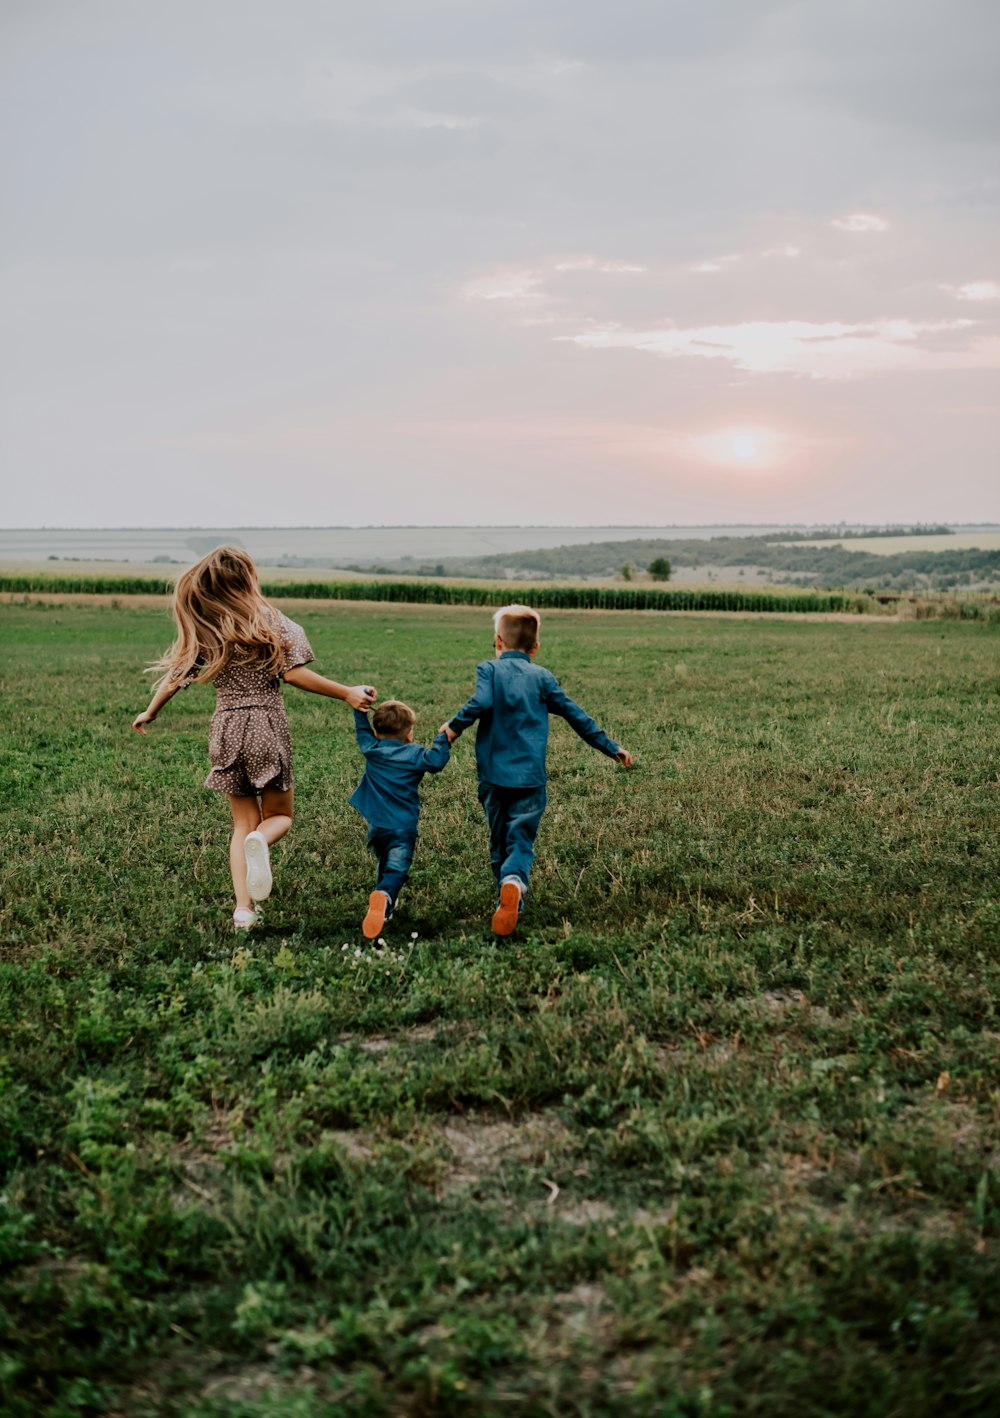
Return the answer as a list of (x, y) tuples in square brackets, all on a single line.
[(744, 447)]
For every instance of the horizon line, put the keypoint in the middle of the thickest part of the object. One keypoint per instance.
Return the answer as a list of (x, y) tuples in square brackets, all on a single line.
[(496, 526)]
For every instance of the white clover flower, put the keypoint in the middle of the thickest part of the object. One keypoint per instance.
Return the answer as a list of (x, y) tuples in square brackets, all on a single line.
[(344, 946), (381, 941), (414, 935)]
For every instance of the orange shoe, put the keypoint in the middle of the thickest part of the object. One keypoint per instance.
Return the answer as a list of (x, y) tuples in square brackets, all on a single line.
[(379, 911), (506, 914)]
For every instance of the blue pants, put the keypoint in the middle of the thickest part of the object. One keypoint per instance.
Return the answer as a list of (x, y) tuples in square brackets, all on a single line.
[(394, 852), (513, 815)]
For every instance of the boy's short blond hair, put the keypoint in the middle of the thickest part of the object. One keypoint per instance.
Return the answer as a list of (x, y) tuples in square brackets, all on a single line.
[(393, 719), (517, 627)]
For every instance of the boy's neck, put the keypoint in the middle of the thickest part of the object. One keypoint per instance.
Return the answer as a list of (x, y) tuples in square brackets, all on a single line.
[(502, 649)]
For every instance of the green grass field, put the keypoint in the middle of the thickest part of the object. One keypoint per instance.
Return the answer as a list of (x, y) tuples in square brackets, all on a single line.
[(717, 1133)]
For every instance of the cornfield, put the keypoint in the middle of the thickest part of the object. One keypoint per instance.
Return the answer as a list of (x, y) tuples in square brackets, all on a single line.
[(611, 598)]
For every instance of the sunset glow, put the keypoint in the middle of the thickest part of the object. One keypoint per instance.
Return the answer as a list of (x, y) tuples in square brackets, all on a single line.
[(742, 449)]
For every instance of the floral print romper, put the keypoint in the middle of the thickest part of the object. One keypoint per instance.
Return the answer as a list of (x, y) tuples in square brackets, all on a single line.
[(249, 743)]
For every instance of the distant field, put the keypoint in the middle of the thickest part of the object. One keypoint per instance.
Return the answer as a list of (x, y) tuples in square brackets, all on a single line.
[(895, 546), (715, 1134), (338, 545), (722, 578), (158, 569)]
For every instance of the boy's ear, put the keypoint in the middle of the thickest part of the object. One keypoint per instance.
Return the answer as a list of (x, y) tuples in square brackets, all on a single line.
[(534, 649)]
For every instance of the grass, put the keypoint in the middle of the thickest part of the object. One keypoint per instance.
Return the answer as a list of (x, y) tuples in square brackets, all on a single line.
[(717, 1133)]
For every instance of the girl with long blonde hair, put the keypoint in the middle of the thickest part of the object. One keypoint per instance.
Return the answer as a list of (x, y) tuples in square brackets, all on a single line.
[(230, 636)]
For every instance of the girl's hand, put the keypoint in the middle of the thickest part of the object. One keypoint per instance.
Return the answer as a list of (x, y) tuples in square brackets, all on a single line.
[(361, 696), (141, 720)]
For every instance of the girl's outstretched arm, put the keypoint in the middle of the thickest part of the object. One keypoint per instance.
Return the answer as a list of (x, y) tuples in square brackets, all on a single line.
[(358, 696), (165, 692)]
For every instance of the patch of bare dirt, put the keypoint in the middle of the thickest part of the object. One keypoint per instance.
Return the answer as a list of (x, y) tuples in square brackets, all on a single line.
[(778, 1003), (953, 1123), (414, 1034), (356, 1145), (583, 1313), (480, 1147), (252, 1382), (587, 1211)]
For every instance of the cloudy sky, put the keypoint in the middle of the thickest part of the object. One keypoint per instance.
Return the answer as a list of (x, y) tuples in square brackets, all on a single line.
[(512, 261)]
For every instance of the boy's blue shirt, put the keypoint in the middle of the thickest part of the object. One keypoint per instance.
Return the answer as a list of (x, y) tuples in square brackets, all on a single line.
[(512, 702), (389, 793)]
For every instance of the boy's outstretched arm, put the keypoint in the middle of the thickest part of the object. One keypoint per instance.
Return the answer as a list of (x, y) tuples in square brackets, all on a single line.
[(363, 732), (438, 754), (475, 707), (589, 729)]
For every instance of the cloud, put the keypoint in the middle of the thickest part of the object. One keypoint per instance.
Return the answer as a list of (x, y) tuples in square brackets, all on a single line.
[(457, 98), (528, 283), (715, 263), (516, 283), (591, 263), (629, 32), (922, 68), (976, 290), (860, 221), (831, 350)]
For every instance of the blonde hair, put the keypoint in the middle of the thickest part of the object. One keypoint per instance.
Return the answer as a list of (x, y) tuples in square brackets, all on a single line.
[(517, 626), (221, 616)]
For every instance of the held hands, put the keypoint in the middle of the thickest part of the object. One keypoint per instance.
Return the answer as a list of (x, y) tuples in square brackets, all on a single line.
[(448, 732), (625, 758), (361, 696), (141, 720)]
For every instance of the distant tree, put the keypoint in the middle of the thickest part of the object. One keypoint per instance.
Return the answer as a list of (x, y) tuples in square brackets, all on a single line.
[(626, 572), (659, 569)]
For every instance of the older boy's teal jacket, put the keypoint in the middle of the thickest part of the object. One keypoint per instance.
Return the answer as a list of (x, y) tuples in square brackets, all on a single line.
[(389, 793), (512, 701)]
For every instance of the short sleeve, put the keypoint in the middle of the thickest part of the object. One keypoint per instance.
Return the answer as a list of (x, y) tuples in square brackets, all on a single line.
[(183, 679), (298, 651)]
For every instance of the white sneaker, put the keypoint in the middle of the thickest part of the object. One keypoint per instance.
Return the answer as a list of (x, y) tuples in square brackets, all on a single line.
[(258, 866), (244, 917)]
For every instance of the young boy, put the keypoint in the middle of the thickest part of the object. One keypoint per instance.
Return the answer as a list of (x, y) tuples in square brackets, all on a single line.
[(512, 701), (388, 798)]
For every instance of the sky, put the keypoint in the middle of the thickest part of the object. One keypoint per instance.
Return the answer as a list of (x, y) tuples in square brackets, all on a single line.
[(499, 261)]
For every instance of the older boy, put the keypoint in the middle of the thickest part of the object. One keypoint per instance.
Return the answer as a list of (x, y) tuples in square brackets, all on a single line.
[(512, 702), (388, 798)]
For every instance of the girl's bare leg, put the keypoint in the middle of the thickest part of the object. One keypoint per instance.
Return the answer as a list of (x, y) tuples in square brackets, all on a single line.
[(275, 814), (271, 818), (246, 818)]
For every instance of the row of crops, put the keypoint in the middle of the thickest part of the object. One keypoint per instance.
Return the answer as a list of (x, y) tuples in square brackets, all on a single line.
[(610, 598)]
